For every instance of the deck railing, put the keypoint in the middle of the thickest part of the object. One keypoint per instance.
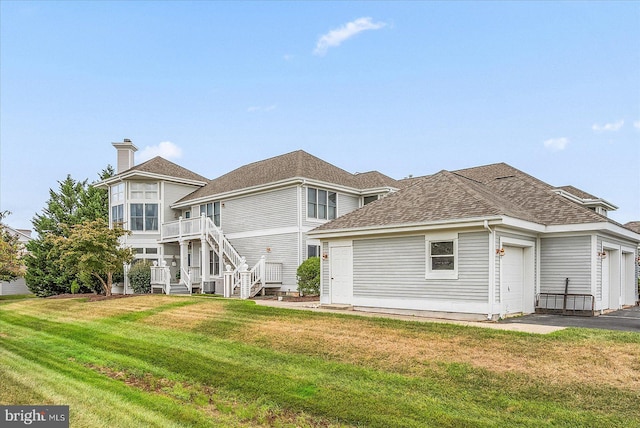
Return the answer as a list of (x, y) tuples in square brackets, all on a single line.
[(161, 277)]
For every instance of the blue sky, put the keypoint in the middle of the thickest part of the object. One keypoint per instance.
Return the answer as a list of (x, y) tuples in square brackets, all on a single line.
[(552, 88)]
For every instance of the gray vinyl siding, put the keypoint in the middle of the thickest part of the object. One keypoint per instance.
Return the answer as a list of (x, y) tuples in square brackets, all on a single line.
[(284, 249), (599, 271), (395, 268), (565, 257), (172, 192), (268, 210), (324, 266), (347, 203), (18, 286)]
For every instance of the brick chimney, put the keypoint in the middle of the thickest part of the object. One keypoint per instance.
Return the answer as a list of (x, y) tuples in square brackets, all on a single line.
[(126, 149)]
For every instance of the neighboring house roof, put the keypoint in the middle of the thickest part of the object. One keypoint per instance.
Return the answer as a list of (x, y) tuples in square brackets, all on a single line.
[(633, 225), (486, 191), (577, 192), (297, 164), (24, 235), (583, 198)]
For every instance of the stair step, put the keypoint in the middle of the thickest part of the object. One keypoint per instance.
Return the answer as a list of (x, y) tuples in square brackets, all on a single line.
[(179, 289)]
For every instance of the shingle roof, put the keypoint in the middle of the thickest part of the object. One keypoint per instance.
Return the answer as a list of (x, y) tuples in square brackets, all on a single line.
[(287, 166), (577, 192), (533, 195), (491, 190), (633, 225), (159, 165)]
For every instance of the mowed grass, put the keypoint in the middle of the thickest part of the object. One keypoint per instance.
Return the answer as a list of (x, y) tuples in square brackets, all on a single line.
[(170, 361)]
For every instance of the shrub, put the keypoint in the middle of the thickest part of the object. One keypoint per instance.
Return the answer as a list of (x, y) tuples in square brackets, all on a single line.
[(309, 277), (140, 277)]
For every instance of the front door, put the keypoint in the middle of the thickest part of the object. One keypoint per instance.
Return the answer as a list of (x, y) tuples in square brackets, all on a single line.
[(341, 274)]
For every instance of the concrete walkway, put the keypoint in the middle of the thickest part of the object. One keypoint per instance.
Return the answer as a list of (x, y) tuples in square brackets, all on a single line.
[(314, 306)]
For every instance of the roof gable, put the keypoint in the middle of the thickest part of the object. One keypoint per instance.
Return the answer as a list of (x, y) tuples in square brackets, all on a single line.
[(161, 166)]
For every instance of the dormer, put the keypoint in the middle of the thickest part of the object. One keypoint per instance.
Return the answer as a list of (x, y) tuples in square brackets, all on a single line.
[(585, 199)]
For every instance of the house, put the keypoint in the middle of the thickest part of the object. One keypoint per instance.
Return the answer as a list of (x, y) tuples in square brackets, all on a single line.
[(490, 241), (19, 286), (258, 215)]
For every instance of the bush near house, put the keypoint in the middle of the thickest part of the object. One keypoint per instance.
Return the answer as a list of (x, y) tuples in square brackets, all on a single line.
[(140, 277), (309, 277)]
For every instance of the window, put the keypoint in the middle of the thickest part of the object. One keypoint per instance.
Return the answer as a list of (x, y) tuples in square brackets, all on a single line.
[(442, 253), (117, 215), (212, 211), (369, 199), (313, 251), (144, 217), (117, 193), (187, 214), (144, 190), (321, 204), (151, 250)]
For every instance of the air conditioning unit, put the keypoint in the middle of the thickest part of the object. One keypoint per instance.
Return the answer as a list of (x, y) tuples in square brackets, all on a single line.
[(209, 287)]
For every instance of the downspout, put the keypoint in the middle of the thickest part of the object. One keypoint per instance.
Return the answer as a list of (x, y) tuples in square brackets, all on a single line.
[(492, 270), (300, 213)]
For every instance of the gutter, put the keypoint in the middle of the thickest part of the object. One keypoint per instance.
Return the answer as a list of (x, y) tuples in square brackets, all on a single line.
[(404, 228)]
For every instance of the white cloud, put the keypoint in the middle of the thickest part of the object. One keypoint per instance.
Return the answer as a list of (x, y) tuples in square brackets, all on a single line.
[(608, 126), (636, 124), (287, 57), (335, 37), (165, 149), (254, 109), (556, 144)]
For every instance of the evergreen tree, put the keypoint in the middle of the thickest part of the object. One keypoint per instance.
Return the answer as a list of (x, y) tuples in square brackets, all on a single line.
[(73, 203), (11, 266)]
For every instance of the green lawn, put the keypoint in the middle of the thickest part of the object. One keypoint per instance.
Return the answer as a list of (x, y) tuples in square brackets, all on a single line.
[(170, 361)]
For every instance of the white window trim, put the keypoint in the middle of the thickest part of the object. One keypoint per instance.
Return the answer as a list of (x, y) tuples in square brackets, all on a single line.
[(144, 218), (316, 219), (145, 192), (438, 237)]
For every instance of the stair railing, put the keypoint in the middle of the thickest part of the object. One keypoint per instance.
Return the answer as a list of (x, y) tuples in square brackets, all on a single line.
[(185, 278), (224, 246)]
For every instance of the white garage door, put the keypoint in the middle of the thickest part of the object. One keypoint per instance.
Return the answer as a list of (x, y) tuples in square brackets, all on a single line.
[(513, 280)]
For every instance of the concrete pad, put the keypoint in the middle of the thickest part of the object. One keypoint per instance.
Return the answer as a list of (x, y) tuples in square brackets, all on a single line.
[(315, 306)]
